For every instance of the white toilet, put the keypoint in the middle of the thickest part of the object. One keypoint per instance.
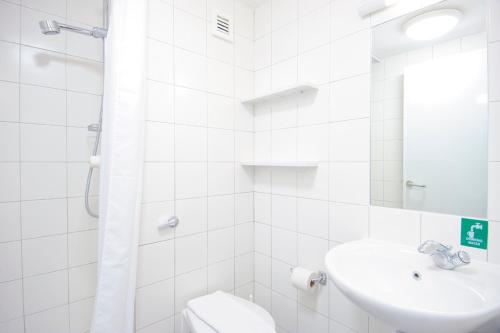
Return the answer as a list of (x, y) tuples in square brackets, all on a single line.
[(221, 312)]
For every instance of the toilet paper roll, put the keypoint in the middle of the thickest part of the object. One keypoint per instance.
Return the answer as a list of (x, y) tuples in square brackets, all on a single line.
[(302, 278), (95, 161)]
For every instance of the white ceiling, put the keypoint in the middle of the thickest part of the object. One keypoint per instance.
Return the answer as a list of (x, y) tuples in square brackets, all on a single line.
[(253, 3), (390, 39)]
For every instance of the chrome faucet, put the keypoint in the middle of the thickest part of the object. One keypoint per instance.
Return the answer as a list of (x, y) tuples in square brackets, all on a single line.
[(442, 255)]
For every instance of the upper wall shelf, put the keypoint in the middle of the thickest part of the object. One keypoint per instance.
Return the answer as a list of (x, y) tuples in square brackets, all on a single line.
[(296, 88), (281, 164)]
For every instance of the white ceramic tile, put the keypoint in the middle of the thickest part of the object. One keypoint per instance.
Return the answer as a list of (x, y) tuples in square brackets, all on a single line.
[(494, 21), (155, 262), (220, 111), (284, 113), (10, 17), (220, 145), (30, 31), (283, 11), (310, 321), (160, 21), (345, 19), (45, 291), (284, 181), (55, 320), (244, 238), (10, 256), (350, 99), (9, 134), (349, 182), (494, 132), (312, 217), (446, 49), (82, 282), (220, 78), (282, 150), (43, 143), (77, 177), (244, 53), (189, 286), (494, 71), (348, 222), (243, 83), (494, 243), (220, 211), (314, 29), (244, 146), (190, 69), (9, 176), (189, 32), (160, 62), (314, 106), (82, 247), (44, 68), (10, 228), (220, 178), (46, 254), (195, 7), (9, 68), (159, 142), (244, 19), (190, 106), (262, 52), (84, 75), (314, 65), (81, 46), (493, 191), (311, 252), (244, 274), (221, 276), (43, 217), (80, 315), (158, 180), (220, 244), (284, 245), (284, 312), (262, 19), (244, 207), (13, 326), (152, 214), (160, 102), (344, 311), (263, 238), (154, 302), (192, 214), (9, 101), (284, 42), (349, 140), (11, 300), (162, 326), (190, 180), (43, 105), (218, 48), (190, 253), (89, 12), (395, 225), (82, 109), (284, 212), (311, 143), (351, 55)]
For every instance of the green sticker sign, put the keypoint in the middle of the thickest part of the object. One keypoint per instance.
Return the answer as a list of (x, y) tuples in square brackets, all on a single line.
[(474, 233)]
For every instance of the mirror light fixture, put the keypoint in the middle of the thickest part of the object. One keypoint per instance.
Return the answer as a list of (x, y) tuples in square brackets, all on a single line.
[(433, 24)]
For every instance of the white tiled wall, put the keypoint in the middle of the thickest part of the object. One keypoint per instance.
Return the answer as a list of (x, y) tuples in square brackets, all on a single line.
[(50, 89), (300, 214), (196, 131), (386, 179)]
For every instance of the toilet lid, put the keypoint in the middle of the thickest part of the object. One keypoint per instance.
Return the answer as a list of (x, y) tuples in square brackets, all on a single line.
[(216, 312)]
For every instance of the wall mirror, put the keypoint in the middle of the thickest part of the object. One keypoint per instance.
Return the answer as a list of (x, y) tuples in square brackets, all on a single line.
[(429, 110)]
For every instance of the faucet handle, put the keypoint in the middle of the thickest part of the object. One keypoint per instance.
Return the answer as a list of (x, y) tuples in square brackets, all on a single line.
[(461, 258), (431, 246)]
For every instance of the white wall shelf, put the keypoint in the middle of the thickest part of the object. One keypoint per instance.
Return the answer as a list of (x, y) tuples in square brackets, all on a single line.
[(286, 164), (297, 88)]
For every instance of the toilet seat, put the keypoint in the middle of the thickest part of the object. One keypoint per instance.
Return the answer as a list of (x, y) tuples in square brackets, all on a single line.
[(191, 323)]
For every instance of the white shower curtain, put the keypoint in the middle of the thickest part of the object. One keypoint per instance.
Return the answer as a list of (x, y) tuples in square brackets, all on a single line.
[(121, 167)]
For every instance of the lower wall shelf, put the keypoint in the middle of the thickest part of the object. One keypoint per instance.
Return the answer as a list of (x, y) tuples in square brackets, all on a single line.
[(287, 164)]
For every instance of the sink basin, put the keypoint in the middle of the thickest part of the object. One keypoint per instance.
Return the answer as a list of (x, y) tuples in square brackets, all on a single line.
[(405, 289)]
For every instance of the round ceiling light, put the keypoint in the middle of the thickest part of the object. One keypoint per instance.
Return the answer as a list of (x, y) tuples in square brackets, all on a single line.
[(433, 24)]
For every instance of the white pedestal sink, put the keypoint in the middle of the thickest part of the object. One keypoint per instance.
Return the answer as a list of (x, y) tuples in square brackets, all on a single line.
[(407, 290)]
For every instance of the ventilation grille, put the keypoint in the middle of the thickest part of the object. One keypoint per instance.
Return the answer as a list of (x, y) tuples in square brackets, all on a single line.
[(222, 25)]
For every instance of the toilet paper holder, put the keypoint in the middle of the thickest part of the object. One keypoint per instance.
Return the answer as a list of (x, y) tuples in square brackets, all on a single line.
[(322, 277)]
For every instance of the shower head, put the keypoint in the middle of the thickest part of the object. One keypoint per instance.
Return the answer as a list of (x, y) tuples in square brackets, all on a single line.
[(52, 27), (49, 27)]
